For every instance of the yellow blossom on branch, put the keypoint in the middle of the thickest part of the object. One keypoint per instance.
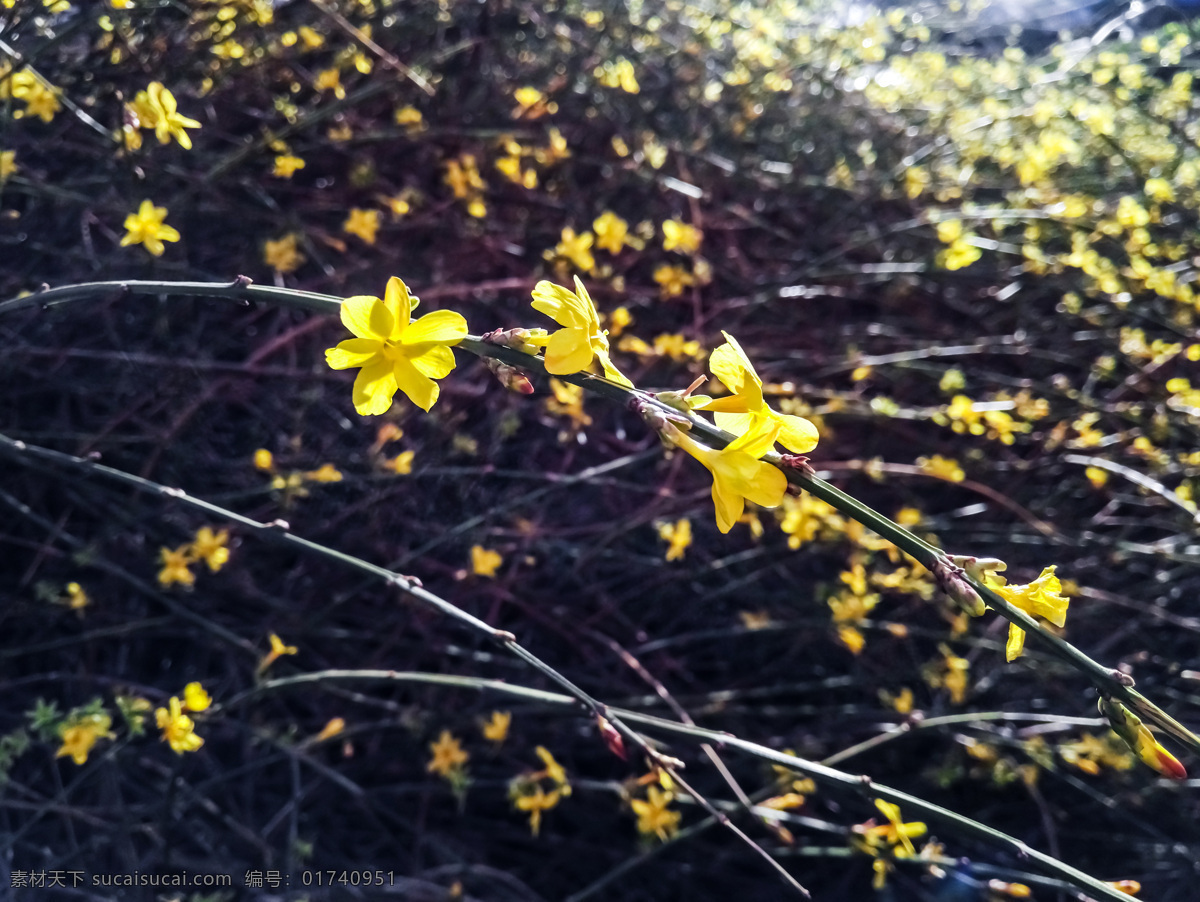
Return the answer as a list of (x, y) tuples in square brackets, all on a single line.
[(286, 166), (575, 248), (176, 567), (1041, 598), (738, 474), (572, 348), (681, 237), (210, 547), (146, 227), (283, 256), (496, 729), (612, 232), (178, 730), (1140, 739), (484, 561), (278, 650), (672, 280), (362, 223), (156, 108), (195, 698), (746, 411), (394, 353), (80, 734), (654, 817), (678, 536), (448, 756)]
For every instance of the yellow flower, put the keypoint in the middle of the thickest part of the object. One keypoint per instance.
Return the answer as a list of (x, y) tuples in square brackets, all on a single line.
[(496, 729), (324, 473), (77, 599), (448, 755), (156, 108), (554, 771), (679, 236), (737, 472), (678, 536), (362, 223), (745, 411), (890, 835), (8, 164), (577, 249), (330, 80), (278, 650), (177, 728), (286, 166), (1041, 598), (283, 255), (334, 727), (1138, 737), (209, 547), (264, 460), (618, 74), (146, 227), (572, 348), (410, 117), (401, 464), (81, 734), (535, 803), (394, 353), (41, 100), (195, 698), (484, 561), (612, 232), (672, 280), (942, 467), (653, 815), (175, 567)]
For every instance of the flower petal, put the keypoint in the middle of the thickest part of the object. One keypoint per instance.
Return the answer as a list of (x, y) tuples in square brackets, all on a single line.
[(736, 422), (421, 390), (399, 304), (562, 306), (1015, 644), (436, 362), (759, 437), (796, 434), (374, 388), (367, 317), (444, 327), (611, 372), (730, 404), (353, 352), (728, 503), (730, 364), (568, 351)]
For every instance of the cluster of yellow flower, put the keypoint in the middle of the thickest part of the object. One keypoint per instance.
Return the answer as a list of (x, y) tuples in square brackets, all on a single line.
[(292, 484), (208, 546)]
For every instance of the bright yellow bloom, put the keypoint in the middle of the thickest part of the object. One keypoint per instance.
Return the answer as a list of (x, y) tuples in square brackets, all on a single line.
[(286, 166), (484, 561), (554, 771), (401, 464), (175, 567), (209, 547), (448, 755), (653, 815), (146, 227), (738, 474), (618, 74), (330, 80), (362, 223), (672, 280), (1041, 598), (612, 232), (156, 108), (81, 734), (745, 411), (678, 536), (278, 650), (178, 730), (577, 249), (195, 698), (942, 467), (572, 348), (41, 100), (264, 460), (324, 473), (894, 835), (679, 236), (496, 729), (283, 255), (535, 803), (395, 353), (77, 599), (410, 117)]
